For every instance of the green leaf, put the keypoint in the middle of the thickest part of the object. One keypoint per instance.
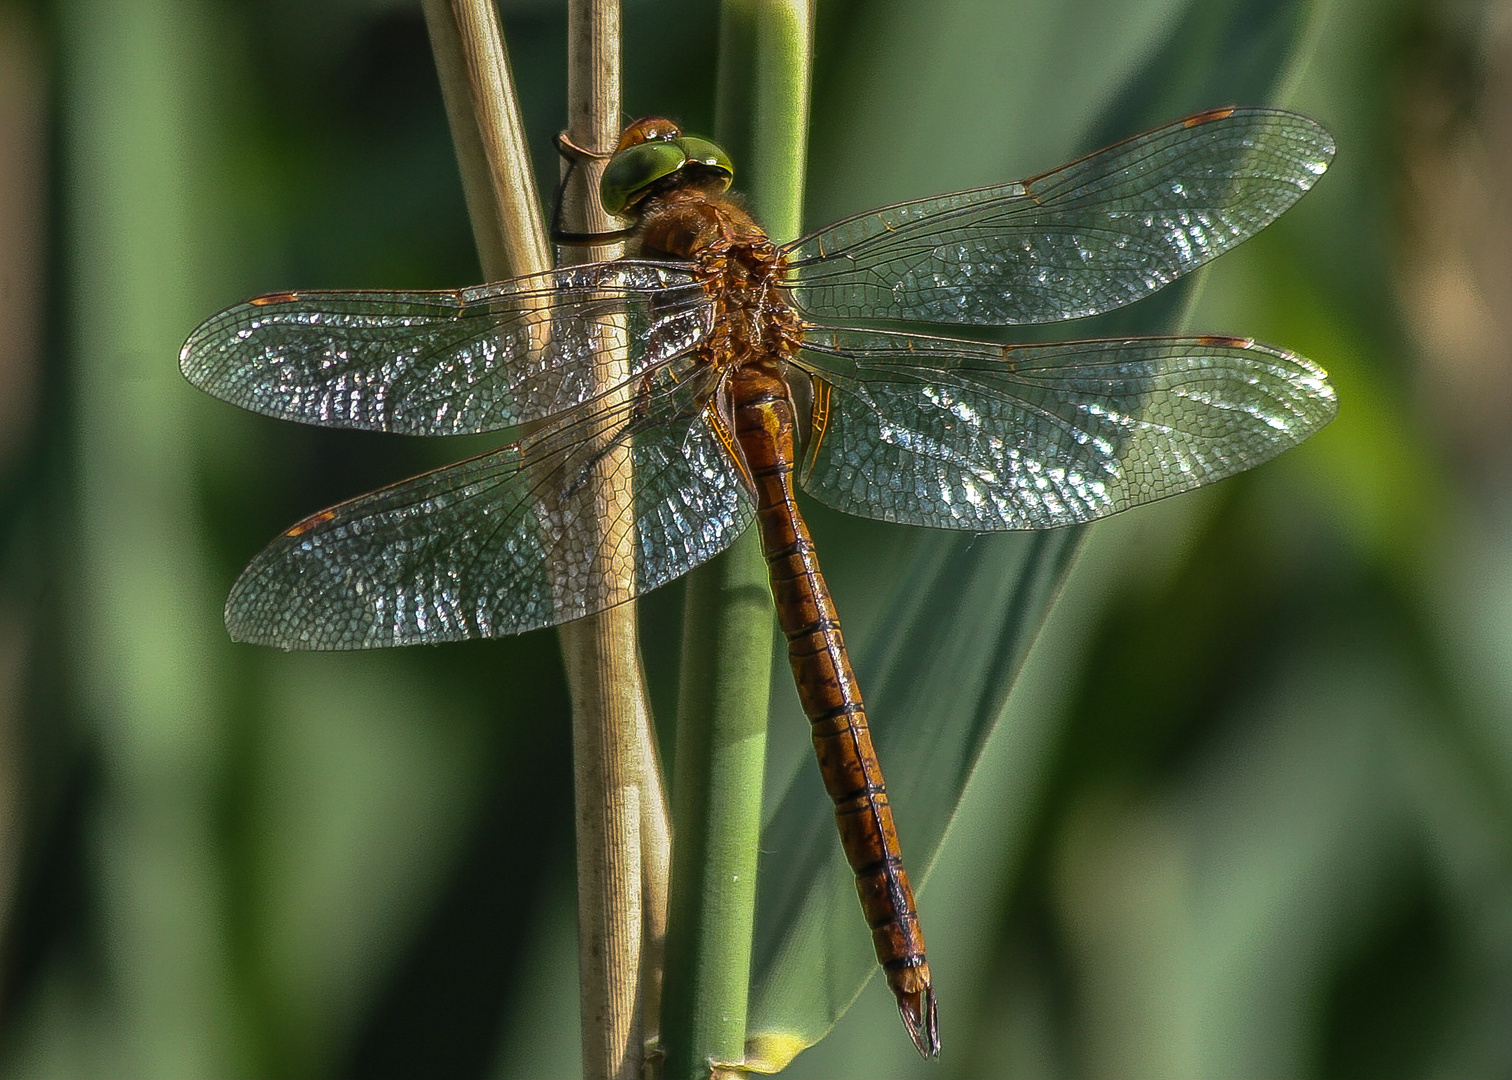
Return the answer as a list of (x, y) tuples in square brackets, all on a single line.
[(938, 644)]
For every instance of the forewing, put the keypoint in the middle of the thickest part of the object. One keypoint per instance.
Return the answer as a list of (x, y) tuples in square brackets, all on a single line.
[(968, 435), (1088, 237), (444, 363), (507, 542)]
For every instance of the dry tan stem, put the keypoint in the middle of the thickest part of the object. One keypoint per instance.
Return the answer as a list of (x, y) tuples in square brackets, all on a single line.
[(489, 136), (621, 817), (620, 807)]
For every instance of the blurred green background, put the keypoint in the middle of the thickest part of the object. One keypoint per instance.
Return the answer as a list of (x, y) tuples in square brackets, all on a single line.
[(1248, 811)]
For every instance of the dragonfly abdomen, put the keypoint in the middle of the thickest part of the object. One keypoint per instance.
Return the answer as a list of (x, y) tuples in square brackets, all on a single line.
[(831, 697)]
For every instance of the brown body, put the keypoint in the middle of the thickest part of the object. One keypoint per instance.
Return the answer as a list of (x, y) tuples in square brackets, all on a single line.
[(755, 332)]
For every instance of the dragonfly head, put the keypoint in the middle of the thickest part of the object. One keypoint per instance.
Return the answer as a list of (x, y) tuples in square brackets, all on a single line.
[(653, 155)]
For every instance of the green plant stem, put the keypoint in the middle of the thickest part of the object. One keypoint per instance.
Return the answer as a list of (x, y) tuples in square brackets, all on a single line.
[(727, 629), (716, 809)]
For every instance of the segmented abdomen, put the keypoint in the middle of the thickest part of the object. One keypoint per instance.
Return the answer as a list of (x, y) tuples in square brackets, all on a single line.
[(763, 417)]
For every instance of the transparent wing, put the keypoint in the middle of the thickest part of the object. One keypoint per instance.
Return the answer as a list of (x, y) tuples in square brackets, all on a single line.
[(444, 363), (1086, 238), (969, 435), (507, 542)]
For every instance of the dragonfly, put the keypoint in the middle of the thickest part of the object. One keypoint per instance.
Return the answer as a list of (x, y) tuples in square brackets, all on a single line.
[(740, 379)]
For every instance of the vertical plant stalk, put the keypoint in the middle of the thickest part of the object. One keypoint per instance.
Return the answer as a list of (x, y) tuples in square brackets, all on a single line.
[(620, 808), (140, 109), (765, 54), (623, 840), (489, 136)]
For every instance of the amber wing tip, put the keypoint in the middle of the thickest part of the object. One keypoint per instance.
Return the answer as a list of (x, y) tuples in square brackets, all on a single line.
[(918, 1012)]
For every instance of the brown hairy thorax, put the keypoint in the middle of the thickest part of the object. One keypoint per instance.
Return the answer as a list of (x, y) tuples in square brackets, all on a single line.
[(741, 269)]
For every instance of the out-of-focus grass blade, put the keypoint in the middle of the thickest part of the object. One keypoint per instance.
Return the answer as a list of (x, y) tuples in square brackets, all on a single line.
[(938, 653)]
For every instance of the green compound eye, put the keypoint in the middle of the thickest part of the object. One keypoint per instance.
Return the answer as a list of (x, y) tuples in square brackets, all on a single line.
[(706, 153), (636, 168)]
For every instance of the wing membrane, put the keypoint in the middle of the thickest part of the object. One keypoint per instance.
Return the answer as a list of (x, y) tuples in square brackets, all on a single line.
[(1086, 238), (504, 543), (444, 363), (968, 435)]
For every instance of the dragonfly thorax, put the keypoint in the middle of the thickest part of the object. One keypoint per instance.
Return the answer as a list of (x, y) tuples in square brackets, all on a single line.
[(740, 267)]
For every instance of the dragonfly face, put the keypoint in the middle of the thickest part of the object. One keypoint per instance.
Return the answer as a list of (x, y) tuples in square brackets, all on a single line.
[(910, 428), (654, 152)]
